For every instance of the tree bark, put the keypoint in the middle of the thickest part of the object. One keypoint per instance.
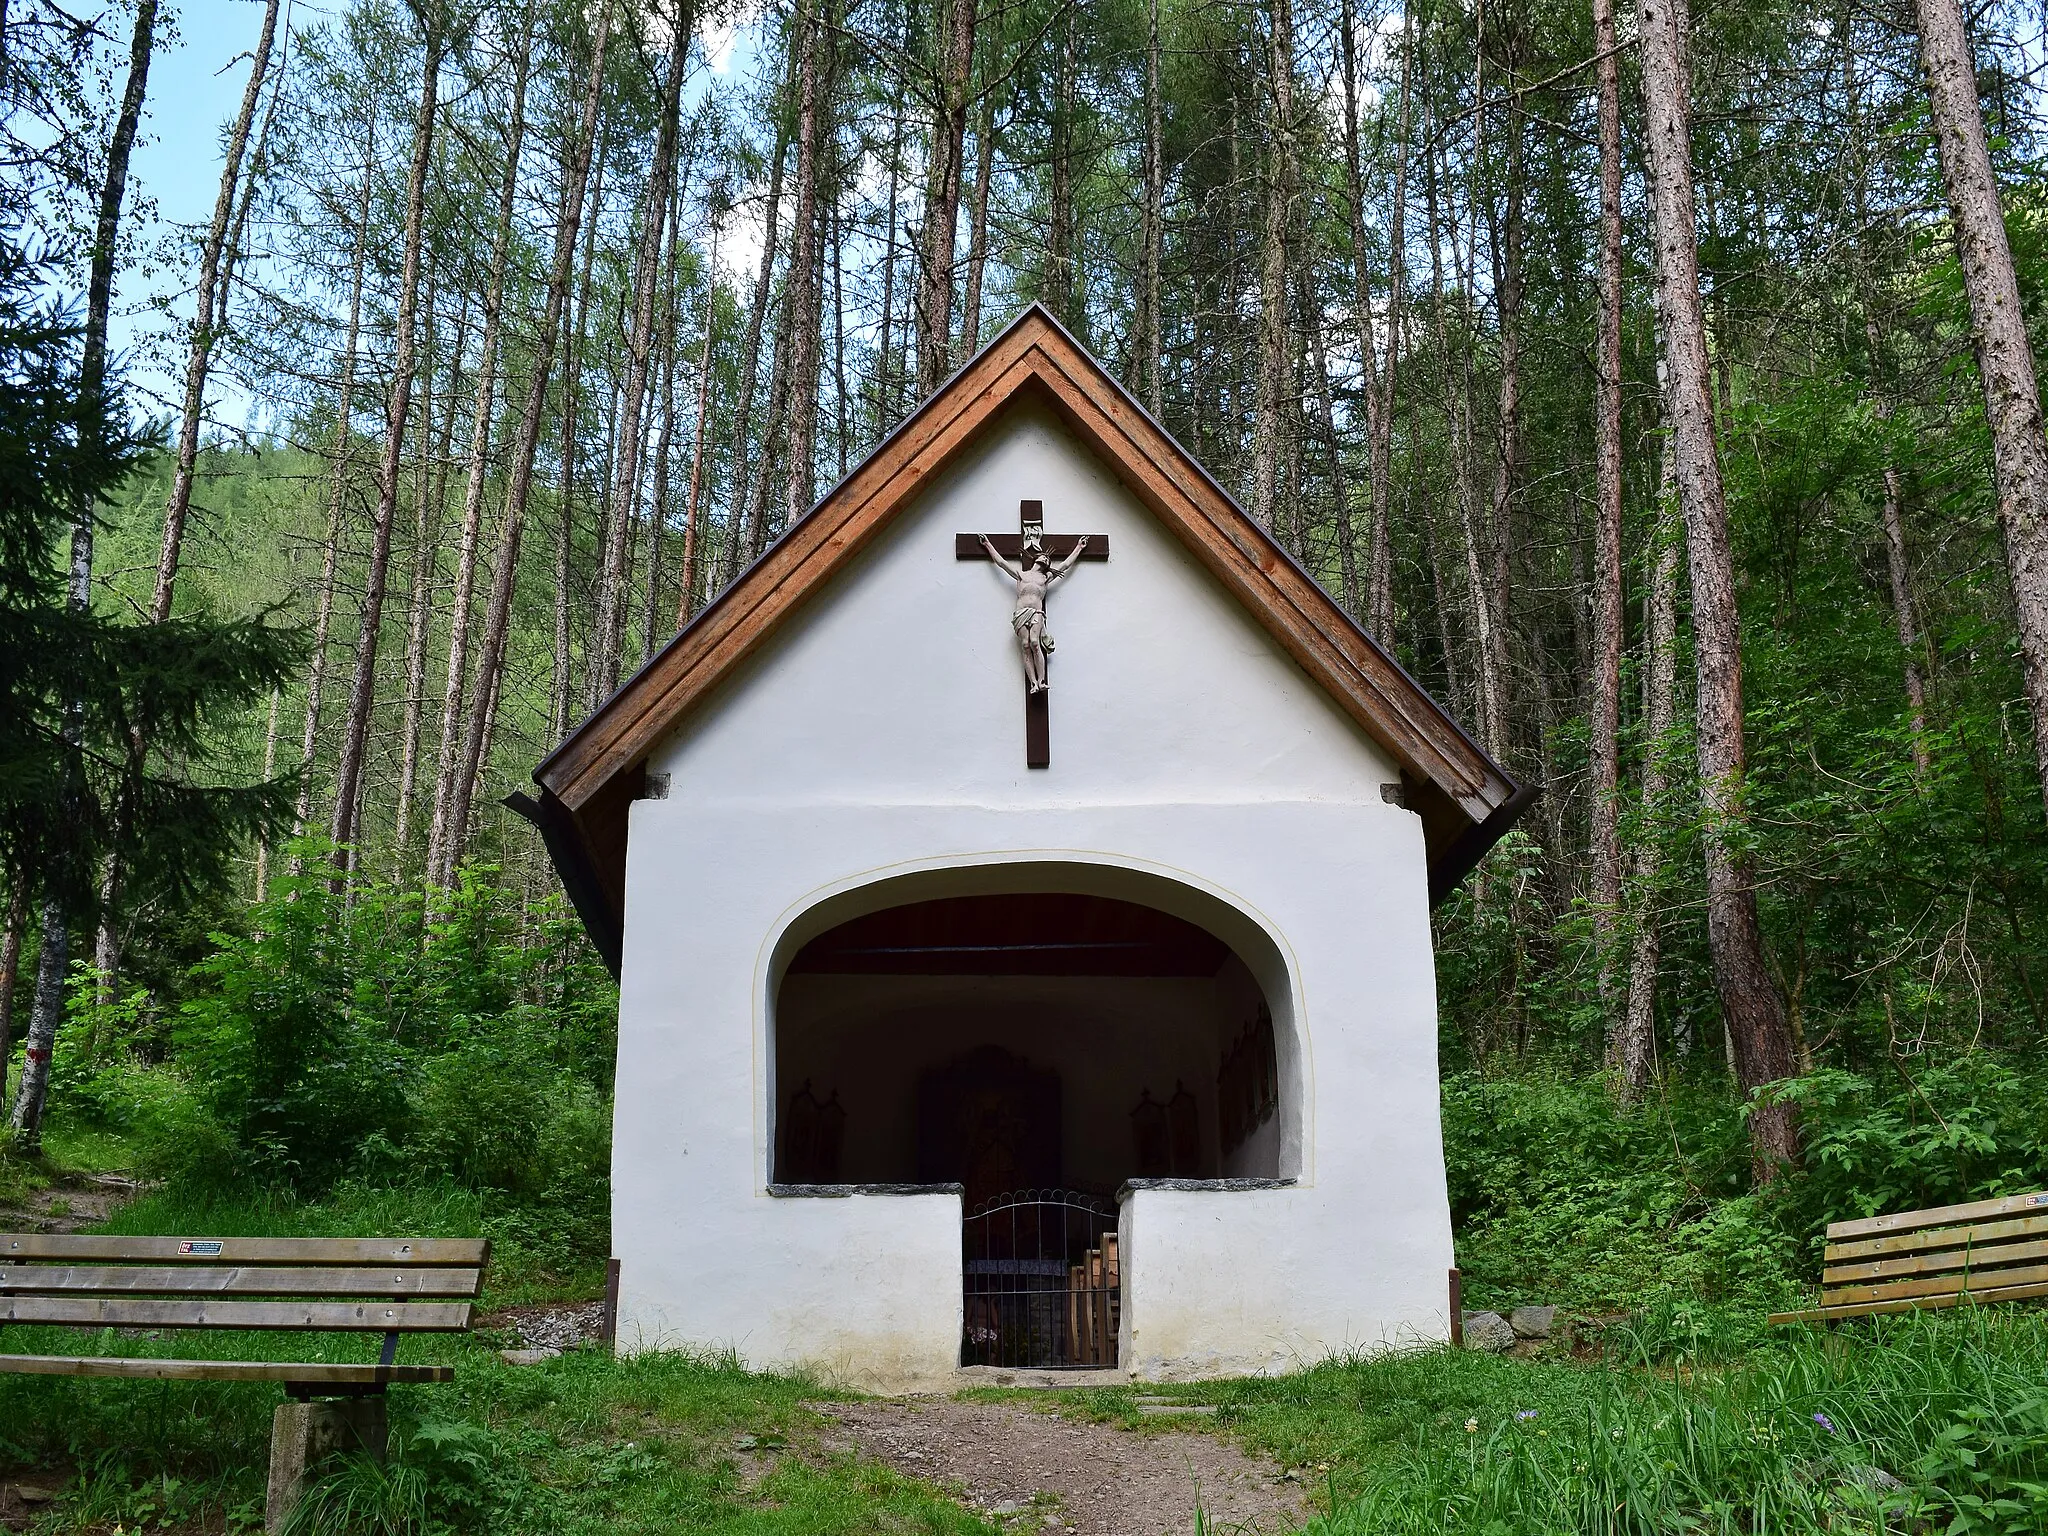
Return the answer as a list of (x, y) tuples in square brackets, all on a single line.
[(1276, 349), (498, 616), (1604, 725), (664, 500), (750, 345), (457, 683), (1380, 577), (1635, 1045), (942, 199), (48, 1007), (977, 235), (686, 599), (801, 298), (572, 384), (344, 440), (1151, 324), (10, 971), (1749, 1004), (614, 580), (203, 325), (356, 727), (1491, 725), (263, 842), (426, 563), (1361, 301), (2005, 358), (1062, 235)]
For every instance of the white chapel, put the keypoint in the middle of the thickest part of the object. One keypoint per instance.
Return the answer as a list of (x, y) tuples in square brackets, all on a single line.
[(1019, 883)]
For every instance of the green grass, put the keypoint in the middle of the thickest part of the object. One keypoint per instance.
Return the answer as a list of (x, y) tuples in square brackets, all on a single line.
[(1937, 1423), (583, 1443), (1691, 1419)]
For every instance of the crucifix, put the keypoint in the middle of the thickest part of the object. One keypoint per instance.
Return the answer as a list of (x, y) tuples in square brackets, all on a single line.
[(1036, 560)]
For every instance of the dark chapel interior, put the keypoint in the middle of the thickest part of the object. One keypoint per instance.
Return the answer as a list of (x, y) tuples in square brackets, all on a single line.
[(1020, 1042)]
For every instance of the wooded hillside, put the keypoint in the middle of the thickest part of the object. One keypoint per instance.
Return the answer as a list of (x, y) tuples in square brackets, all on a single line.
[(1657, 386)]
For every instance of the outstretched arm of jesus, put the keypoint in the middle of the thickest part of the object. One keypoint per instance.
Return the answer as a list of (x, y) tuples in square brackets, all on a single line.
[(1067, 564), (1016, 572)]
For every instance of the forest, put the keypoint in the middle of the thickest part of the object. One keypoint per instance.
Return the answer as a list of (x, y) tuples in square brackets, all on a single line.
[(1713, 501)]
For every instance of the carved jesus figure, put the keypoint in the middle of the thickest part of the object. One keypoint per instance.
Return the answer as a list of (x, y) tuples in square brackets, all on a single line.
[(1034, 575)]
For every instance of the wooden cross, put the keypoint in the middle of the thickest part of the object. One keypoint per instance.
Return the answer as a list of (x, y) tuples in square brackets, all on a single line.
[(1031, 536)]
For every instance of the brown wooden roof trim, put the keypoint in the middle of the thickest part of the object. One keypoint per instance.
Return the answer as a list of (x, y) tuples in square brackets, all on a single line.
[(1467, 801)]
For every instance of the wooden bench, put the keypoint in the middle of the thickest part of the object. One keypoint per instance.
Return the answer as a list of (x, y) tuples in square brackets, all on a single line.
[(1988, 1250), (391, 1286)]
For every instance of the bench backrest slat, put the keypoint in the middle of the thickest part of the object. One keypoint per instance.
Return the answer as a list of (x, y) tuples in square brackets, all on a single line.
[(1936, 1238), (341, 1317), (150, 1279), (1937, 1216), (73, 1248), (1972, 1259)]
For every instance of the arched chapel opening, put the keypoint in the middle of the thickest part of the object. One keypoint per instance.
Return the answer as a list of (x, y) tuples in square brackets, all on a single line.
[(1024, 1040)]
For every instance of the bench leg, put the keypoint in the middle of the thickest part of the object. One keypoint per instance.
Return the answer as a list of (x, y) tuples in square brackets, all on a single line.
[(303, 1434)]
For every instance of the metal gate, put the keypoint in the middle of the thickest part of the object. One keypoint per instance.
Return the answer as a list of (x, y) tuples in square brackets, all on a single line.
[(1043, 1287)]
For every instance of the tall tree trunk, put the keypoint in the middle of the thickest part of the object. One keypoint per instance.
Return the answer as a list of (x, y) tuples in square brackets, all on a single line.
[(1151, 324), (686, 598), (750, 345), (344, 442), (1276, 347), (1603, 749), (801, 298), (1061, 237), (498, 616), (1507, 477), (1903, 617), (664, 499), (572, 382), (771, 432), (885, 396), (1380, 579), (355, 736), (613, 583), (10, 970), (426, 562), (1750, 1005), (1361, 301), (1635, 1048), (203, 325), (457, 683), (263, 842), (1457, 419), (2005, 358), (942, 197), (48, 1007), (977, 232)]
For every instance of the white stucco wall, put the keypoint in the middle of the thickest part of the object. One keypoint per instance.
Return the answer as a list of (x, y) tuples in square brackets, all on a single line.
[(874, 755)]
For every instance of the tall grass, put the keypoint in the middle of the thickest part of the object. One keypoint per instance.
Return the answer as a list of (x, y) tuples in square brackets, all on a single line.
[(1930, 1423)]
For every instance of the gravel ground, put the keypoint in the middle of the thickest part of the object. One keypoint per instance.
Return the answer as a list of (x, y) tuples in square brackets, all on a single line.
[(1040, 1471)]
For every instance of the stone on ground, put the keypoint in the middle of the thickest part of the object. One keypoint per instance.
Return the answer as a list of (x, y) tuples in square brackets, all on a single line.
[(1489, 1331), (1532, 1322)]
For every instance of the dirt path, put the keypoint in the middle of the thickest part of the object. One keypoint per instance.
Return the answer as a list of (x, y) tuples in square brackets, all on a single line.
[(1041, 1471)]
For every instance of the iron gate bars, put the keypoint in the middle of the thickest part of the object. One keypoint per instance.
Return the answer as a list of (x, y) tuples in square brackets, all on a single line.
[(1043, 1287)]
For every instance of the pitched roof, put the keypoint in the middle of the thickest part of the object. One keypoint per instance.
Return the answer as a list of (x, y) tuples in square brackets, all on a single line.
[(1465, 800)]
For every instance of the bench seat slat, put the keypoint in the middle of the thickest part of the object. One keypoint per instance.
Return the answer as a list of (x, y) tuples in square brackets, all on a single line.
[(1938, 1238), (1934, 1216), (130, 1369), (344, 1317), (1912, 1304), (254, 1280), (78, 1248), (1975, 1259)]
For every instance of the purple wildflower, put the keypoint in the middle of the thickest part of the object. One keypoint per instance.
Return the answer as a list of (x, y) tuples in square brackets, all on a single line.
[(1824, 1422), (1525, 1413)]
